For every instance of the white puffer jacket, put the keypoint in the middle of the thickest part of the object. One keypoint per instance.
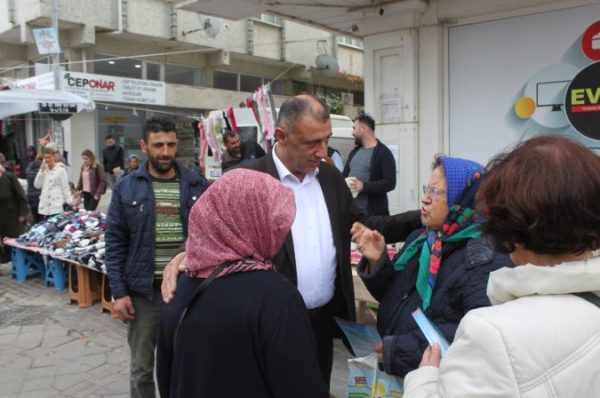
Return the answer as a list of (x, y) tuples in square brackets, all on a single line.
[(55, 189), (537, 340)]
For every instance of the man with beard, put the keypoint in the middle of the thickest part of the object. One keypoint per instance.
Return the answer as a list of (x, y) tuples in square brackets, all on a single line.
[(238, 151), (370, 169), (147, 224)]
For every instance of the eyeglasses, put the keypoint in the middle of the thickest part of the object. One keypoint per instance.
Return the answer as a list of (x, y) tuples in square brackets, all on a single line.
[(433, 192)]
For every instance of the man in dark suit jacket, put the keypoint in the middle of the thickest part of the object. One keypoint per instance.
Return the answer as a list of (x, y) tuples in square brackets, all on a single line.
[(316, 253)]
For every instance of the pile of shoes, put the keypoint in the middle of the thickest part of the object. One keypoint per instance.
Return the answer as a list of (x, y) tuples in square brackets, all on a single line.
[(76, 236)]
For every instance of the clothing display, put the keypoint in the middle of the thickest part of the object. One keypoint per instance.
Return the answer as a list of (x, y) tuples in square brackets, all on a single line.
[(77, 237)]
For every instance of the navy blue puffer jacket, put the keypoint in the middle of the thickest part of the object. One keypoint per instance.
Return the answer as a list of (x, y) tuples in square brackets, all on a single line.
[(130, 234), (461, 286)]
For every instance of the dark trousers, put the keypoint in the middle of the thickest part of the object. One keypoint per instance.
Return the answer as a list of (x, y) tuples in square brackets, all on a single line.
[(89, 203), (324, 327), (141, 336), (37, 217)]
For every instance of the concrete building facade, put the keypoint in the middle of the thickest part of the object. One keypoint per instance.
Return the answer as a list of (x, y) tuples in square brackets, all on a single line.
[(447, 76), (173, 60)]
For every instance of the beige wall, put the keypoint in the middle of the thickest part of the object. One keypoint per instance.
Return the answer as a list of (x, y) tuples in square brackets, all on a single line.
[(80, 134), (267, 40), (350, 60), (302, 43)]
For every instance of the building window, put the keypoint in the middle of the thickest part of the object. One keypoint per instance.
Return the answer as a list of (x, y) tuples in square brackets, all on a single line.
[(179, 74), (249, 84), (300, 88), (359, 98), (270, 19), (225, 80), (277, 86), (350, 41), (104, 65), (152, 71)]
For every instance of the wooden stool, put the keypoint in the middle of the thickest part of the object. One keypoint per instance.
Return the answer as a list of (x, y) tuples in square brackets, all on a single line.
[(83, 285), (106, 304)]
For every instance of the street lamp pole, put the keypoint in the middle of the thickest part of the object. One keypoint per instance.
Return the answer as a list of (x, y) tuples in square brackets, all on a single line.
[(56, 125)]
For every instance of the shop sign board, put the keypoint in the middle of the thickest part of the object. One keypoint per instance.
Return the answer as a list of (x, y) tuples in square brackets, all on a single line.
[(100, 87), (115, 88), (50, 107)]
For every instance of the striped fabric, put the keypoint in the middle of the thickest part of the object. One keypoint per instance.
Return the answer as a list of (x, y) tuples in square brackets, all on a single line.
[(168, 227)]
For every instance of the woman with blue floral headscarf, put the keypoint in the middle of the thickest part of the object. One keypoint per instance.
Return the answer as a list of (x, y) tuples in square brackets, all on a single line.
[(442, 269)]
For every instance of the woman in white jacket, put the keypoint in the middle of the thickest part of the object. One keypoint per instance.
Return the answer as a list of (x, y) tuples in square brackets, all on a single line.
[(541, 337), (52, 179)]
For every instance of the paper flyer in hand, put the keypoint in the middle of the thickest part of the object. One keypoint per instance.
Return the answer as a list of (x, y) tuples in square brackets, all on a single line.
[(432, 334), (362, 338)]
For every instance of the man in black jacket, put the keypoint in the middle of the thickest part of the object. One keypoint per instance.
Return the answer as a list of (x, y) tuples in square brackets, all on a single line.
[(371, 168), (113, 158)]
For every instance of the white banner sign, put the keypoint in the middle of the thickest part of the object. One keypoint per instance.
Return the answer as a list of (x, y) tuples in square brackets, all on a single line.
[(114, 89), (40, 82)]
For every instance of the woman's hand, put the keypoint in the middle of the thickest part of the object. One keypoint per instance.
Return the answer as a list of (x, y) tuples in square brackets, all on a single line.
[(370, 243), (432, 356), (379, 351)]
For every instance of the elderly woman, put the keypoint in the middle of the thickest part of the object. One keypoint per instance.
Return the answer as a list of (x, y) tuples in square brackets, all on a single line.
[(541, 336), (442, 269), (92, 180), (237, 328), (53, 181)]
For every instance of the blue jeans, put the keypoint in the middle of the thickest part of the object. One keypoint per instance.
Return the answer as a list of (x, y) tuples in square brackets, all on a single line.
[(141, 336)]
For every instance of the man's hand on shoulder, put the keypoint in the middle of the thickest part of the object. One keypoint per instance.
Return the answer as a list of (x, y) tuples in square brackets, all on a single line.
[(124, 308), (172, 270)]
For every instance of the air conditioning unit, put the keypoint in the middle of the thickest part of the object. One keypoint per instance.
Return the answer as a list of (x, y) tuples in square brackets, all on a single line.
[(348, 98)]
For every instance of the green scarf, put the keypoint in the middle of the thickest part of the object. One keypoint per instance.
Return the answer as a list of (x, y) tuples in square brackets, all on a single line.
[(423, 287)]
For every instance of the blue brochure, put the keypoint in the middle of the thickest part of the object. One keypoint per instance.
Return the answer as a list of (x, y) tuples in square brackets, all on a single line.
[(362, 338), (432, 334)]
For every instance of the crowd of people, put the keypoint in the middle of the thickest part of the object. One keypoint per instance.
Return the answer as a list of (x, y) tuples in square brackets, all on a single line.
[(234, 287)]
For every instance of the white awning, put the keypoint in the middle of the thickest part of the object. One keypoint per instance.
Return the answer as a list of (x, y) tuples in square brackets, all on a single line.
[(16, 102)]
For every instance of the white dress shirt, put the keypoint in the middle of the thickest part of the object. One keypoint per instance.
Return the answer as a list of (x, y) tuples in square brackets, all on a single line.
[(314, 250)]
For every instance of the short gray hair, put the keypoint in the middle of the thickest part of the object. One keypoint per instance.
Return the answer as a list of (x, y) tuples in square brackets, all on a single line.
[(295, 108)]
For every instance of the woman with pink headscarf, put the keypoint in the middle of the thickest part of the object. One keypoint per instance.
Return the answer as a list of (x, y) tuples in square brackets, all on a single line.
[(236, 327)]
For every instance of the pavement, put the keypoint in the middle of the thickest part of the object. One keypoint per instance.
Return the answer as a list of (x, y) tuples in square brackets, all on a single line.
[(50, 348)]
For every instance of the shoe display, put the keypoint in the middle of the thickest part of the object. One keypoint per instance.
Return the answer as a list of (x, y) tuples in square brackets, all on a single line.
[(76, 236)]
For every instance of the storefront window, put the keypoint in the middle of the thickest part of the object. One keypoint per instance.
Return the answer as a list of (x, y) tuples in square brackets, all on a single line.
[(225, 80), (124, 125), (152, 71), (117, 67), (179, 74), (277, 87), (249, 84)]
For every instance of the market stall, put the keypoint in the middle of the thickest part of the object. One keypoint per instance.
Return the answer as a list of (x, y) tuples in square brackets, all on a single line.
[(67, 251)]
